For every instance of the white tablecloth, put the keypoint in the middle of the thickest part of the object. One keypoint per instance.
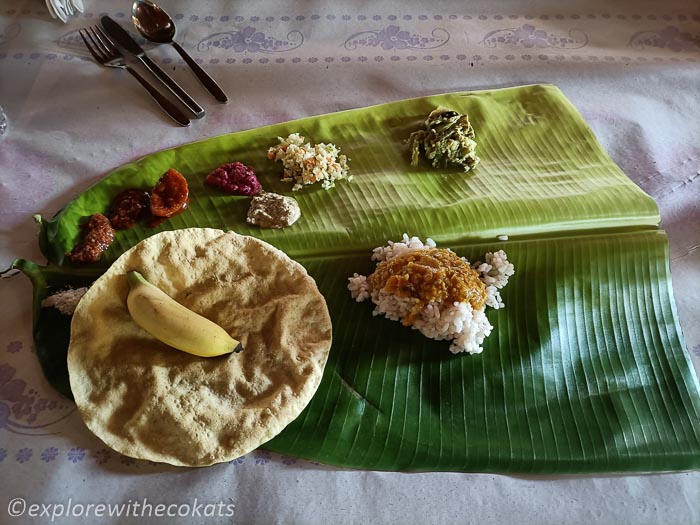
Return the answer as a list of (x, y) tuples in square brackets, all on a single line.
[(631, 68)]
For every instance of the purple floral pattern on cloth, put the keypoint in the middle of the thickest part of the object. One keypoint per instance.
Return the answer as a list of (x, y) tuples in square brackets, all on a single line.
[(20, 405), (528, 36), (670, 37), (23, 455), (250, 40), (76, 454), (72, 41), (102, 456), (49, 454), (247, 40), (262, 457), (393, 37)]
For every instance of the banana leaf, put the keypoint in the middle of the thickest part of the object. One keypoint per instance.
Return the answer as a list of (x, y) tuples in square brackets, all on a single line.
[(542, 171), (586, 369)]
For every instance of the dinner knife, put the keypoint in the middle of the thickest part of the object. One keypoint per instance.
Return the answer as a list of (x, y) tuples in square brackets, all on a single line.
[(126, 41)]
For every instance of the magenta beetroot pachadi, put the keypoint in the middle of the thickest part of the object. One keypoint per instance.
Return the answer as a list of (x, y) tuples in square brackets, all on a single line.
[(235, 178)]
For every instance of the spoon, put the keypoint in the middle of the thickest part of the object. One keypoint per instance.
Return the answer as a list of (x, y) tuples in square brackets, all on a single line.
[(157, 26)]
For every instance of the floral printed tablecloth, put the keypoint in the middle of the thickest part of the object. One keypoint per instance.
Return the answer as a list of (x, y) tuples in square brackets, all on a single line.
[(632, 69)]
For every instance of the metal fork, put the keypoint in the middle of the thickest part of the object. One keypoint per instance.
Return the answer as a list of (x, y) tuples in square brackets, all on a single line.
[(105, 52)]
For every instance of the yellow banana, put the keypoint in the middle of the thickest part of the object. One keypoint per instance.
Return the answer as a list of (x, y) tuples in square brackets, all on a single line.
[(173, 324)]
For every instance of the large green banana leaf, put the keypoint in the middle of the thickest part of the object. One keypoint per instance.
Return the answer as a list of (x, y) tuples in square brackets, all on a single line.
[(542, 171), (586, 370)]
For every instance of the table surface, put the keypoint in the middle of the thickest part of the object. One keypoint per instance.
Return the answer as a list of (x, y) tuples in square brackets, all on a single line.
[(631, 68)]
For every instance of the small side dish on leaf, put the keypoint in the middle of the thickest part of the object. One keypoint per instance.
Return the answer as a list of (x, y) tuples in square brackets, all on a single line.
[(448, 138)]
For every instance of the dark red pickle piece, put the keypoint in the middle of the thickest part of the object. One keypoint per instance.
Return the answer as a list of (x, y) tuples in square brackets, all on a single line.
[(97, 236), (128, 207)]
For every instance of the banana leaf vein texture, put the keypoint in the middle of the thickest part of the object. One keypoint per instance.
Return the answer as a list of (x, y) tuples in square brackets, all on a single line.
[(585, 370)]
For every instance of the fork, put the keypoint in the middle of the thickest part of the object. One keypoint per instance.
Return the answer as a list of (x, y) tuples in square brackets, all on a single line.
[(105, 53)]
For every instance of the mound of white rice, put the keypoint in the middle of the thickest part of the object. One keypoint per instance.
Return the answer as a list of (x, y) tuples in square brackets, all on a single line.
[(305, 163), (459, 322)]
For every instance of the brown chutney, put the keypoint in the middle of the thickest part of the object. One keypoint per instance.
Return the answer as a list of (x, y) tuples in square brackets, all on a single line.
[(432, 275), (97, 236)]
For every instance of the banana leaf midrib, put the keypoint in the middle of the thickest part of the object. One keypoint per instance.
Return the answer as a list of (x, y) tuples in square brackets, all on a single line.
[(57, 258)]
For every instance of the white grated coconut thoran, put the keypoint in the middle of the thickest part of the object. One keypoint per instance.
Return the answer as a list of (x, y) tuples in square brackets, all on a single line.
[(305, 163)]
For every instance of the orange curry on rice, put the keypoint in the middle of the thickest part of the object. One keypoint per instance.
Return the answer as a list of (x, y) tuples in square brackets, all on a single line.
[(431, 275)]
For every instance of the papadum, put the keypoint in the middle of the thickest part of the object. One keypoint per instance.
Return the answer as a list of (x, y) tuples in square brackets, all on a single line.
[(149, 401)]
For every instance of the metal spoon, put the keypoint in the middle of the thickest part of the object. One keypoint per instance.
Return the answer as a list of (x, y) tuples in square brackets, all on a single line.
[(157, 26)]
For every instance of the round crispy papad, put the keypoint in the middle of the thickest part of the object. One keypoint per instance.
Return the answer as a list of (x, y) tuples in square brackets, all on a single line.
[(147, 400)]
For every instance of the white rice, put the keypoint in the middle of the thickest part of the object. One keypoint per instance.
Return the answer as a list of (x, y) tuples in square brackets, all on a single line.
[(306, 163), (459, 322)]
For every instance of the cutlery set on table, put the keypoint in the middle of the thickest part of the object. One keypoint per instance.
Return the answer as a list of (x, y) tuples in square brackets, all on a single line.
[(112, 46)]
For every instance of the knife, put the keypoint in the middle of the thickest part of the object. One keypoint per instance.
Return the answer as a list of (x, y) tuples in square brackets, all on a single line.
[(126, 41)]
